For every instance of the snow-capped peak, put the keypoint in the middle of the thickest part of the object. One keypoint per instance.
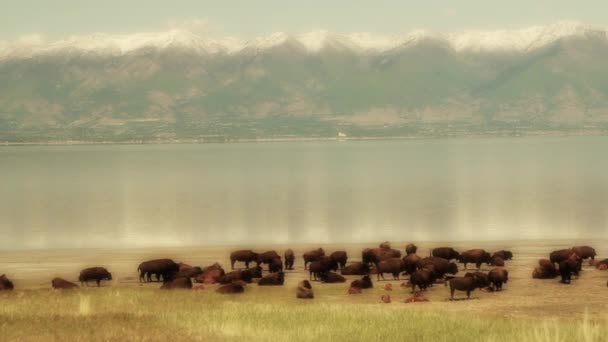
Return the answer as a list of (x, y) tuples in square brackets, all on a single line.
[(477, 41)]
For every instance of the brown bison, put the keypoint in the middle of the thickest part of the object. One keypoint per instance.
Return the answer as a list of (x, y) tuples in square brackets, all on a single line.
[(236, 287), (323, 265), (94, 273), (441, 266), (304, 290), (410, 249), (256, 272), (568, 267), (422, 278), (159, 267), (375, 255), (545, 270), (560, 255), (467, 283), (497, 261), (331, 277), (416, 297), (497, 277), (363, 283), (5, 283), (274, 279), (598, 263), (244, 255), (244, 275), (474, 256), (189, 272), (211, 274), (267, 257), (313, 255), (276, 265), (357, 268), (340, 258), (393, 266), (290, 258), (62, 284), (385, 245), (447, 253), (177, 283), (584, 252), (504, 255), (410, 263), (388, 287)]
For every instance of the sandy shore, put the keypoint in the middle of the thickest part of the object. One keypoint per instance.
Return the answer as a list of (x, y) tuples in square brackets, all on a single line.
[(522, 296)]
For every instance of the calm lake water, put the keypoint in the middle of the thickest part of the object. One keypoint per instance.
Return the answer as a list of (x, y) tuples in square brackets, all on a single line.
[(303, 192)]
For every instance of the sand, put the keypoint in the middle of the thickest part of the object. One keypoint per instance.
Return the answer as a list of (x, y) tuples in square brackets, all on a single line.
[(522, 296)]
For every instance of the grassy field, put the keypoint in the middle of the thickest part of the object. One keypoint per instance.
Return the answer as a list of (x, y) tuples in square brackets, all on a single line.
[(260, 314)]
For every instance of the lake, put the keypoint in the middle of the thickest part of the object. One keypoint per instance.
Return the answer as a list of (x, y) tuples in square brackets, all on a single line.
[(303, 192)]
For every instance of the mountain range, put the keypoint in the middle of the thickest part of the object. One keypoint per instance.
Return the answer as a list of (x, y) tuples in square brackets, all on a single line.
[(177, 85)]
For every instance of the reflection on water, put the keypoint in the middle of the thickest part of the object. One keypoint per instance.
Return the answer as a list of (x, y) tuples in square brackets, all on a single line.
[(457, 189)]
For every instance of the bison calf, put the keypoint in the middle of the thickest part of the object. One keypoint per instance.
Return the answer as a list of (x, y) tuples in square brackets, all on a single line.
[(62, 284), (304, 290)]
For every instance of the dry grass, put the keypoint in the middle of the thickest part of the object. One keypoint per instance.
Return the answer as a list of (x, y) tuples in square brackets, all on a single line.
[(126, 314)]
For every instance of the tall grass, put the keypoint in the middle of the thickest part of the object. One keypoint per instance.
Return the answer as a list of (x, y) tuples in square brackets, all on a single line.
[(123, 314)]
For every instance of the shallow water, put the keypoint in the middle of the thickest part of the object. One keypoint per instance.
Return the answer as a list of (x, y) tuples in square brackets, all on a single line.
[(303, 192)]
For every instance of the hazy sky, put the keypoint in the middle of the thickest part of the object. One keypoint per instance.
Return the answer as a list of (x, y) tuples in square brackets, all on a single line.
[(242, 18)]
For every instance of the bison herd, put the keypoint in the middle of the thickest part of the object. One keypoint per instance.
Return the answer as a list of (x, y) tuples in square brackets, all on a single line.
[(441, 266)]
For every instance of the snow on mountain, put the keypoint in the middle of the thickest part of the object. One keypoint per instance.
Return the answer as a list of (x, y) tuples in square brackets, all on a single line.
[(475, 41)]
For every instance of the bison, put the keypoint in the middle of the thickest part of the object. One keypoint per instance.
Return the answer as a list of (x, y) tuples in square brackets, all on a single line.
[(584, 252), (94, 273), (497, 261), (410, 249), (357, 268), (177, 283), (340, 258), (189, 272), (441, 266), (304, 290), (62, 284), (244, 275), (276, 265), (235, 287), (385, 245), (159, 267), (331, 277), (244, 255), (375, 255), (211, 274), (354, 290), (504, 255), (447, 253), (324, 264), (467, 283), (422, 278), (267, 257), (410, 263), (313, 255), (290, 258), (560, 255), (475, 256), (274, 279), (392, 265), (568, 267), (256, 272), (497, 277), (545, 270), (5, 283), (363, 283)]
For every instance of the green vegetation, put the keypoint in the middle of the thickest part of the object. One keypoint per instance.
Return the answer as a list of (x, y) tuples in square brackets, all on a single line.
[(260, 314)]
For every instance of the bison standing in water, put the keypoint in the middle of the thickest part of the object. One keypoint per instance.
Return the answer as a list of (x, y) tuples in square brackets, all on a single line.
[(340, 258), (244, 255), (62, 284), (475, 256), (5, 283), (313, 255), (447, 253), (94, 273), (304, 290), (290, 258), (357, 268), (159, 267)]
